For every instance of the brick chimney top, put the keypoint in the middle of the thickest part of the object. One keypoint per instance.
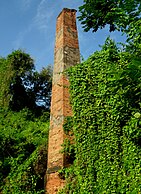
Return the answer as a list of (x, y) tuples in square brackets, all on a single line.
[(67, 10)]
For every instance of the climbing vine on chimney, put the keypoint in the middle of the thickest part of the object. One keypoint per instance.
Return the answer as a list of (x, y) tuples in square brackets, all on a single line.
[(105, 95)]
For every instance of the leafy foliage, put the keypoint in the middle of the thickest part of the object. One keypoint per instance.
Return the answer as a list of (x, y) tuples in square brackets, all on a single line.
[(23, 124), (21, 86), (134, 38), (42, 83), (106, 95), (5, 75), (23, 140), (22, 66), (118, 14)]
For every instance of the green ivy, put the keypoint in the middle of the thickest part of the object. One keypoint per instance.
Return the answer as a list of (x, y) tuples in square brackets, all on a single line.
[(105, 95)]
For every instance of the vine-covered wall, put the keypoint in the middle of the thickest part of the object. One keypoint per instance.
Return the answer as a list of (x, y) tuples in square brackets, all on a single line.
[(105, 95)]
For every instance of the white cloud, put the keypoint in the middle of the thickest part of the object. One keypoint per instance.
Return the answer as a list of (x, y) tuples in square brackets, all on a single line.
[(41, 21), (43, 17), (26, 4)]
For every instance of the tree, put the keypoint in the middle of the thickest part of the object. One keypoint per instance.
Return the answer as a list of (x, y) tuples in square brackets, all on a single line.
[(22, 86), (22, 67), (118, 14), (42, 84), (121, 15)]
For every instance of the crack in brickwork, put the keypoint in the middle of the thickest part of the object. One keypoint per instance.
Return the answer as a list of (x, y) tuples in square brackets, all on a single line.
[(66, 54)]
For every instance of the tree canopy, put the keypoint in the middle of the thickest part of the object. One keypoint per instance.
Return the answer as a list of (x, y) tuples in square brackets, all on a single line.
[(22, 86), (119, 14)]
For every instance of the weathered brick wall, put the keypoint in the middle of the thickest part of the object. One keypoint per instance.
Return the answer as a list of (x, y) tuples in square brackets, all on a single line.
[(66, 54)]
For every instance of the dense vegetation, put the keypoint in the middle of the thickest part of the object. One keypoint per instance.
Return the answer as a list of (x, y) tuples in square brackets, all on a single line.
[(24, 123), (106, 96), (23, 145), (106, 100)]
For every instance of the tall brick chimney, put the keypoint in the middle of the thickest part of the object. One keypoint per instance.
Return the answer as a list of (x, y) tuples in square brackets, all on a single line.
[(66, 54)]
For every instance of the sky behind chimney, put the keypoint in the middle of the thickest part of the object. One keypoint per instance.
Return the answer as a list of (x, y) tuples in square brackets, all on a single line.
[(30, 25)]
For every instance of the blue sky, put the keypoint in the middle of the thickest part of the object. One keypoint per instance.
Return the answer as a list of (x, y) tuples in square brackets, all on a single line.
[(30, 25)]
